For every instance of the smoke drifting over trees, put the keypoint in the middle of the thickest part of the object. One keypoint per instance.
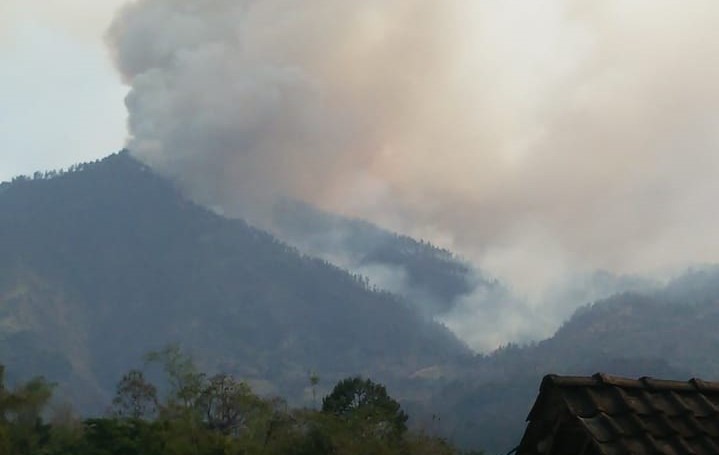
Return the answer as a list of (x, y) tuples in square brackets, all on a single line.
[(535, 139)]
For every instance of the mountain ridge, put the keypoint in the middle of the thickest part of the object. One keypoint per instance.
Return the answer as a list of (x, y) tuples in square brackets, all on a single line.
[(146, 267)]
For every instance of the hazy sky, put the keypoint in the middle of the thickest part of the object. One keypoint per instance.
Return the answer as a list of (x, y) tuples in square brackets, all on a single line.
[(61, 100), (535, 138)]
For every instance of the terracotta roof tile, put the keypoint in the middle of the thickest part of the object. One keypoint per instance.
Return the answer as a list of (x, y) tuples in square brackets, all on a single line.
[(624, 416)]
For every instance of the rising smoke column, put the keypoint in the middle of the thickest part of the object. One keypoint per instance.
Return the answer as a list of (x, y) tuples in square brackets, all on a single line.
[(536, 138)]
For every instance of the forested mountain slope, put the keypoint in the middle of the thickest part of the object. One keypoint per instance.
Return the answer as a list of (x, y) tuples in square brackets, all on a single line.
[(101, 264), (432, 278)]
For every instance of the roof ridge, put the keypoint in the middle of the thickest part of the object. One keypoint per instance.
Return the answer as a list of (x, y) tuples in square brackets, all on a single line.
[(644, 382), (704, 385)]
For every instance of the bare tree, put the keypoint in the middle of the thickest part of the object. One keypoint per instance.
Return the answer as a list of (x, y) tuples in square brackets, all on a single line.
[(135, 397)]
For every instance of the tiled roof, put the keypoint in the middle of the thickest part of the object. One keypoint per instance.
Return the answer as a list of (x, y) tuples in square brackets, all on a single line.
[(609, 415)]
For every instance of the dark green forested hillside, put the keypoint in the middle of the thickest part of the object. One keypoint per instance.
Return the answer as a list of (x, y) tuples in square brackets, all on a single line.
[(106, 262)]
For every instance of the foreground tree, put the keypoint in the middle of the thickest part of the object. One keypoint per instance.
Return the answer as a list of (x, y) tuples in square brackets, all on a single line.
[(135, 397), (21, 427), (184, 378), (365, 402), (225, 418), (228, 405)]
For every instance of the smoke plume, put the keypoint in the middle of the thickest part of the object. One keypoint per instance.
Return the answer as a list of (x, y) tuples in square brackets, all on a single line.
[(535, 138)]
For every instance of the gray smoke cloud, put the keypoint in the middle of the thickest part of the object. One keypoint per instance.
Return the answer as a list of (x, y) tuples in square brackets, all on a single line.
[(538, 139)]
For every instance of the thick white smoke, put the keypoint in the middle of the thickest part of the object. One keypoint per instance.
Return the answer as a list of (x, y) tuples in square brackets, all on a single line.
[(533, 137)]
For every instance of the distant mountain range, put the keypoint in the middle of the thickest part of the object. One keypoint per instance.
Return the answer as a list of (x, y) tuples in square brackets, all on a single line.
[(106, 261)]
